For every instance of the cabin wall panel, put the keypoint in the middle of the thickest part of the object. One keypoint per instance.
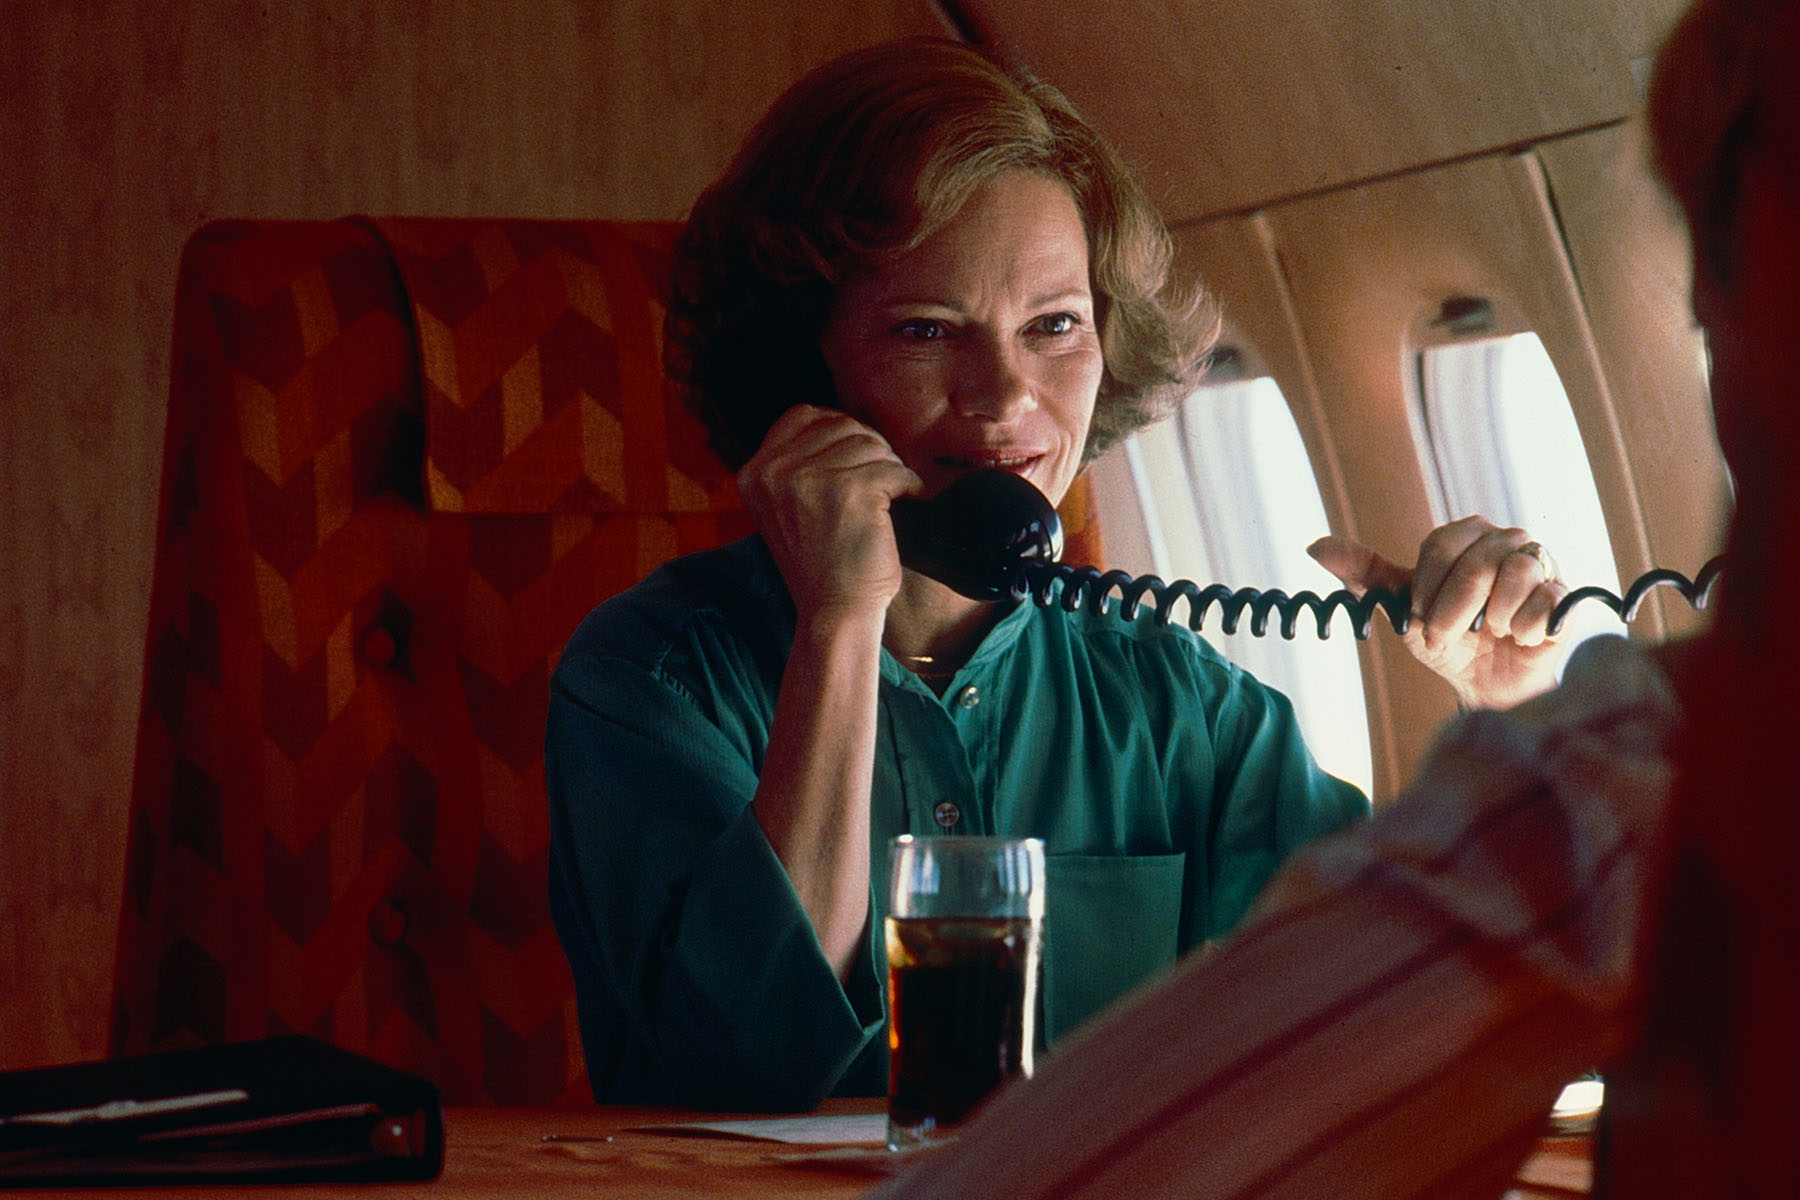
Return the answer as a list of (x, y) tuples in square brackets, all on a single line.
[(124, 126), (1264, 100), (1240, 263), (1629, 251)]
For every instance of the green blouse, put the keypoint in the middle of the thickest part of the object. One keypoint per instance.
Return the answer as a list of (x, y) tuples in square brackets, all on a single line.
[(1166, 783)]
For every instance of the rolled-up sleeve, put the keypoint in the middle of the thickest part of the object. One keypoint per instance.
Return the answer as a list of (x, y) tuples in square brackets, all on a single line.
[(699, 977), (1269, 797)]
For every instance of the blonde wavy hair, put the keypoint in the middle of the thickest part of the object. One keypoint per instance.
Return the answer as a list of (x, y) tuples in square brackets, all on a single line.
[(866, 157)]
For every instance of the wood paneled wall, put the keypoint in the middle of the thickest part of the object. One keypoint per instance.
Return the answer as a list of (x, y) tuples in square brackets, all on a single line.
[(123, 126)]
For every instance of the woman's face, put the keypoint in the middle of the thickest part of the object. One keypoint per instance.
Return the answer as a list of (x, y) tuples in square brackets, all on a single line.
[(977, 348)]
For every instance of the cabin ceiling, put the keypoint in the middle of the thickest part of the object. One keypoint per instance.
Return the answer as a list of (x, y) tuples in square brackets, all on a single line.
[(1230, 105)]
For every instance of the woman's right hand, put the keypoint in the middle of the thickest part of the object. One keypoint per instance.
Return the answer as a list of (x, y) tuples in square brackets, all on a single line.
[(819, 488)]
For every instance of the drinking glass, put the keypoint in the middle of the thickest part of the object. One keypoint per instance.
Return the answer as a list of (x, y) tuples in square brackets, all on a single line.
[(964, 948)]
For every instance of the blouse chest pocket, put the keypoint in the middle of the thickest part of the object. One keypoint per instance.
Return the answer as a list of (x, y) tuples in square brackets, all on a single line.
[(1108, 923)]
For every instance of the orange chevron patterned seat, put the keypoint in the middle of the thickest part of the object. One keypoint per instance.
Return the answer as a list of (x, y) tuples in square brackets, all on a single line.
[(403, 459)]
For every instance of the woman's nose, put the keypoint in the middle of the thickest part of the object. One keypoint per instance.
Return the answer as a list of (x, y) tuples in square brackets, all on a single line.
[(995, 384)]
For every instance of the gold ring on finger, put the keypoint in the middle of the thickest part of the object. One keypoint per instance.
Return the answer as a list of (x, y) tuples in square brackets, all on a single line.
[(1536, 550)]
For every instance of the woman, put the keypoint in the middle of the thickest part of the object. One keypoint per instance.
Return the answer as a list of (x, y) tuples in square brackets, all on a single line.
[(916, 266)]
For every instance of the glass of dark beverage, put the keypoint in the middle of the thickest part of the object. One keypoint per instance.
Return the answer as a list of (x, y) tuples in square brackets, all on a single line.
[(964, 948)]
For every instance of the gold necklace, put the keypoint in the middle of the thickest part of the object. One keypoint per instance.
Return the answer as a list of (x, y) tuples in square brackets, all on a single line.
[(927, 666)]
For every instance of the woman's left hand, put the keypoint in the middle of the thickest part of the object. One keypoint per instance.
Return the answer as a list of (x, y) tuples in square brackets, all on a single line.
[(1467, 568)]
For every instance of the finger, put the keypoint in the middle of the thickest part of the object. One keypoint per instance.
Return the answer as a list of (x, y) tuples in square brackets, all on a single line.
[(1356, 566), (794, 424), (1531, 624), (1468, 586), (807, 451), (843, 480), (1521, 571), (1439, 553), (805, 432), (1544, 559)]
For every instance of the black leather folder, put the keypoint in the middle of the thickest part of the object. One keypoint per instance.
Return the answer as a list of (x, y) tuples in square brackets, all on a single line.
[(287, 1109)]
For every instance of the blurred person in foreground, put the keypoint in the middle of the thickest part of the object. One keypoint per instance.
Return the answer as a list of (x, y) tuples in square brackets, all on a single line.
[(1601, 876)]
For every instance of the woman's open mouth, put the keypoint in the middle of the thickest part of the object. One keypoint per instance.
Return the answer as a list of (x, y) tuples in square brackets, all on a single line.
[(1018, 464)]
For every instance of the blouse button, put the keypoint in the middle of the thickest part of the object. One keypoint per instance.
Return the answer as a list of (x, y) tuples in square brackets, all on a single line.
[(969, 697), (946, 815)]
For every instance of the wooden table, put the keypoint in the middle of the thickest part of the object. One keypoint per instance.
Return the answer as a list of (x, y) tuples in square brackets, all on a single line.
[(618, 1152), (1562, 1167), (550, 1154)]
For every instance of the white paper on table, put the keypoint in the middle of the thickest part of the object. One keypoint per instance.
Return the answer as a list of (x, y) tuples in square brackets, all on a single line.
[(838, 1129)]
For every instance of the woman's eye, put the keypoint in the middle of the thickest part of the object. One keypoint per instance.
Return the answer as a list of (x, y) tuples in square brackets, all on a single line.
[(1058, 323), (922, 330)]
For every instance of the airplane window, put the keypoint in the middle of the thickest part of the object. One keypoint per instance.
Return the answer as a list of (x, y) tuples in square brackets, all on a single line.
[(1228, 496), (1495, 427)]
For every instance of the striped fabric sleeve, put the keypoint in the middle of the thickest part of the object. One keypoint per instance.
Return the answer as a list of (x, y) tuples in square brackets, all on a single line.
[(1405, 1003)]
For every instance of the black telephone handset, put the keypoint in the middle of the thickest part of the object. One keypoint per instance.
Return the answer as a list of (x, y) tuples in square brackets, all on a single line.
[(978, 533), (993, 536)]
